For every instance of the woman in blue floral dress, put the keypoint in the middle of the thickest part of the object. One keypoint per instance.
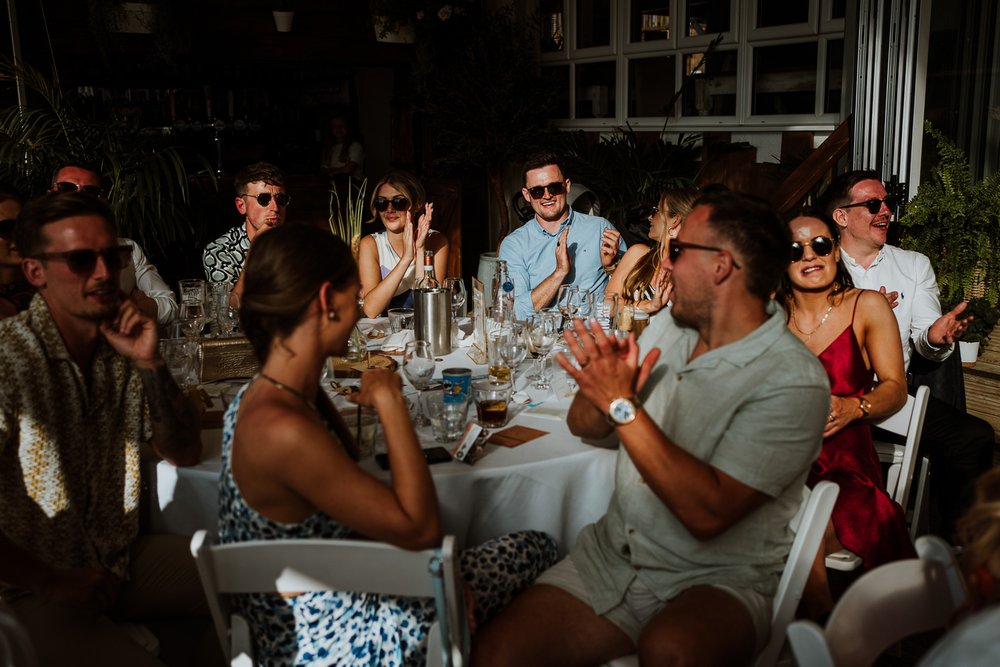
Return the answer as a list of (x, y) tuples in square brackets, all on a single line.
[(289, 469)]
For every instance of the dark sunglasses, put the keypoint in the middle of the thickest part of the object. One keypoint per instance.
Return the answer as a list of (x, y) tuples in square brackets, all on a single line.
[(264, 198), (821, 245), (83, 262), (7, 229), (874, 205), (399, 204), (555, 188), (66, 186), (677, 248)]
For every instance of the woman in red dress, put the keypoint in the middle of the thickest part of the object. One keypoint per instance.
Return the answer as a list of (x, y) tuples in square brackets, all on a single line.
[(853, 333)]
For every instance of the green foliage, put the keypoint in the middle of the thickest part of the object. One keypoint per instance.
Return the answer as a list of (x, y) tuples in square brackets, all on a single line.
[(147, 180), (625, 172), (955, 221), (347, 224)]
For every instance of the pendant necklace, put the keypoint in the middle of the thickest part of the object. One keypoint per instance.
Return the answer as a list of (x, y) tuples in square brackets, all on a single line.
[(290, 390), (822, 321)]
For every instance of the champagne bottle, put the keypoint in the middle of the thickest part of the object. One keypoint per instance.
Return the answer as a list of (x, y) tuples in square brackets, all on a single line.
[(427, 279)]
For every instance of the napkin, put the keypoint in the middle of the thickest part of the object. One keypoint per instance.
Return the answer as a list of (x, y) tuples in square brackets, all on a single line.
[(395, 343)]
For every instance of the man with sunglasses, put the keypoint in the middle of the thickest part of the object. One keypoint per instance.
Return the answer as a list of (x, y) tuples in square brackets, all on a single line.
[(85, 394), (262, 201), (140, 279), (960, 446), (719, 411), (557, 246)]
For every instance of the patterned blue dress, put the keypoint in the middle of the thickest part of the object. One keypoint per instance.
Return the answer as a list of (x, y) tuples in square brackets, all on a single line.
[(335, 628)]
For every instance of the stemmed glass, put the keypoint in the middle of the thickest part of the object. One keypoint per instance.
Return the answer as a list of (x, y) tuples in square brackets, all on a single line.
[(586, 304), (418, 366), (457, 288), (513, 349), (542, 330), (568, 302)]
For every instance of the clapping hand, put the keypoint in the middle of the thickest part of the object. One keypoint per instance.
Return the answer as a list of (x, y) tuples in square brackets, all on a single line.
[(562, 254), (423, 228), (609, 247), (949, 327)]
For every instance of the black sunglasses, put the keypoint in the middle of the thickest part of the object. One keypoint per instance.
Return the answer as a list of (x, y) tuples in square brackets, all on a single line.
[(874, 205), (83, 262), (555, 188), (264, 198), (677, 248), (399, 204), (7, 229), (66, 186), (821, 245)]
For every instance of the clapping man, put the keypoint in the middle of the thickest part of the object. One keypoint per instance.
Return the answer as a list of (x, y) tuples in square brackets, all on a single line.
[(558, 245)]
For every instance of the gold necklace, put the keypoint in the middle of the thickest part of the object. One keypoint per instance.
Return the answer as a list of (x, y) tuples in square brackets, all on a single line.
[(290, 390), (822, 321)]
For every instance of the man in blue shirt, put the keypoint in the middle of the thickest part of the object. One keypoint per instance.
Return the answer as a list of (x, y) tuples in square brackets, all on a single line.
[(558, 245)]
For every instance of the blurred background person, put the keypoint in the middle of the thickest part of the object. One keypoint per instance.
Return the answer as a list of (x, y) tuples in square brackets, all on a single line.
[(640, 279), (343, 153), (15, 291)]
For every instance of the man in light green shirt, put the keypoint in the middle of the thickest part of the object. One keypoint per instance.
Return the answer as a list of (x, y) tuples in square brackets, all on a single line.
[(718, 426)]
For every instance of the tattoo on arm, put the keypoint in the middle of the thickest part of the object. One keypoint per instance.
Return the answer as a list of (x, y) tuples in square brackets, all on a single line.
[(175, 421)]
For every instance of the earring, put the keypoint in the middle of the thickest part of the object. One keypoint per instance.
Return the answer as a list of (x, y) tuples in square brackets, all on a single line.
[(332, 315)]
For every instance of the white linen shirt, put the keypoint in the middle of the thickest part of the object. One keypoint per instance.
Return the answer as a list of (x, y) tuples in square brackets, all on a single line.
[(917, 308)]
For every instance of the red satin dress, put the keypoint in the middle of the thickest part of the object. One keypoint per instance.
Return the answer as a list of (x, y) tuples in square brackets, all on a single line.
[(868, 522)]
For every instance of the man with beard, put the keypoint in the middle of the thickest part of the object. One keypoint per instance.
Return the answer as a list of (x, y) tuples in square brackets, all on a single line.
[(84, 390), (718, 425), (262, 200), (959, 446), (557, 246)]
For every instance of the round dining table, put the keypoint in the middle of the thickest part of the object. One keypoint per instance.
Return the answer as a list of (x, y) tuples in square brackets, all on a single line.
[(555, 483)]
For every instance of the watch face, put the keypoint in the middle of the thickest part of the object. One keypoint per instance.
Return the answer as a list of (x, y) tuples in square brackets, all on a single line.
[(622, 411)]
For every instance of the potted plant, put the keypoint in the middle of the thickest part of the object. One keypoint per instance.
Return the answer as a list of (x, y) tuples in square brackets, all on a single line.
[(955, 221), (985, 317), (148, 181), (346, 217), (284, 14)]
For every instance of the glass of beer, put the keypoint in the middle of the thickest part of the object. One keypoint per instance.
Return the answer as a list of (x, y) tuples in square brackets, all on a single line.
[(491, 402)]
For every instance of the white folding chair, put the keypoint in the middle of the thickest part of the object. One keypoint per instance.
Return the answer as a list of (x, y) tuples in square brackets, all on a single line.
[(907, 422), (885, 605), (289, 566), (809, 524), (15, 647)]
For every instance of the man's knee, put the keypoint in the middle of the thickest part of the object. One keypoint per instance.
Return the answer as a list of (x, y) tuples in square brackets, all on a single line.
[(670, 649)]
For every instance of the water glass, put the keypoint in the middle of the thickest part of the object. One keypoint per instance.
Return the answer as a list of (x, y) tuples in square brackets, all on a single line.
[(367, 435), (491, 402), (181, 357), (192, 290), (418, 367), (513, 346), (609, 311), (448, 417), (400, 319)]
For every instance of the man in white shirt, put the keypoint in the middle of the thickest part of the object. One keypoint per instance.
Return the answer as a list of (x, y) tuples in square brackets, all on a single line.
[(140, 280), (959, 445)]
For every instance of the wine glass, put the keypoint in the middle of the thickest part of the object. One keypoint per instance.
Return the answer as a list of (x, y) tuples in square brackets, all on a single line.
[(418, 366), (192, 318), (228, 318), (457, 288), (568, 302), (586, 304), (513, 349), (542, 331)]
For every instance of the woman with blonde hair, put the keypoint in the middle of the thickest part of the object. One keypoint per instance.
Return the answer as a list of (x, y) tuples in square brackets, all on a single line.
[(640, 278), (390, 261)]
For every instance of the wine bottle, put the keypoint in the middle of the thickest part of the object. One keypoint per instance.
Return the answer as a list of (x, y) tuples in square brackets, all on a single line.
[(427, 279)]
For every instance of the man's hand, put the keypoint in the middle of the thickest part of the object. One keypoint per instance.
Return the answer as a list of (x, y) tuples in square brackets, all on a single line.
[(132, 334), (609, 368), (891, 297), (562, 254), (85, 587), (609, 248), (949, 327)]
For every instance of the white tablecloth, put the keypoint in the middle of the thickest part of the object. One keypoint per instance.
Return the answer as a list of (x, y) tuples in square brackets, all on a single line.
[(556, 483)]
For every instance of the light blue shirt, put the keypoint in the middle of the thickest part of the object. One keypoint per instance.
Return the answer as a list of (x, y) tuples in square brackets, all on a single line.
[(530, 253)]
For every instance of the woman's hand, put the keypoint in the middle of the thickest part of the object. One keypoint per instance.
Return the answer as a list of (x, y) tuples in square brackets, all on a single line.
[(662, 289), (377, 385), (842, 412), (423, 229), (409, 251)]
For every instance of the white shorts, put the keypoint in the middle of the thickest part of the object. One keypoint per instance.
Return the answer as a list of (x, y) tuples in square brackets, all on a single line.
[(640, 604)]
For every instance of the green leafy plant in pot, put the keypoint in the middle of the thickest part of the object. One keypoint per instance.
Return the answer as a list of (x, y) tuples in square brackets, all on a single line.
[(985, 318)]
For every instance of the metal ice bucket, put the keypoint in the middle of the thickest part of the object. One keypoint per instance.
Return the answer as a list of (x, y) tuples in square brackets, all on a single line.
[(432, 318)]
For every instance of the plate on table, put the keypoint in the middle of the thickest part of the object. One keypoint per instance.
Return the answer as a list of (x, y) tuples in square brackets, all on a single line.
[(354, 369)]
